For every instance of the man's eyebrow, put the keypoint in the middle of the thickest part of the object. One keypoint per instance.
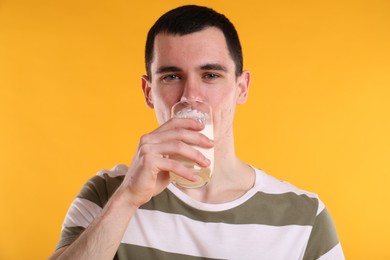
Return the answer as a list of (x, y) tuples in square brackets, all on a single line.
[(164, 69), (213, 66), (209, 66)]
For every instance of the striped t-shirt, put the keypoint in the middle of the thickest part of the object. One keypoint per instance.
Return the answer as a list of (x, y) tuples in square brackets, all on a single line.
[(273, 220)]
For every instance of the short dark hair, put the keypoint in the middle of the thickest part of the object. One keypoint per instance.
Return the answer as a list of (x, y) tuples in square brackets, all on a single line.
[(189, 19)]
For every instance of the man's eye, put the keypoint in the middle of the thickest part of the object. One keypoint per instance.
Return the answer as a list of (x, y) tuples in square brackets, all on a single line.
[(170, 77), (211, 76)]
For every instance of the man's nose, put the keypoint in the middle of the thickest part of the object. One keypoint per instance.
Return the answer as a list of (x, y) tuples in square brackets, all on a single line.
[(192, 90)]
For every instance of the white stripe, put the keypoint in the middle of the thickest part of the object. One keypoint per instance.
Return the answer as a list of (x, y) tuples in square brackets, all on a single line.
[(178, 234), (336, 253), (272, 185), (81, 213), (321, 207)]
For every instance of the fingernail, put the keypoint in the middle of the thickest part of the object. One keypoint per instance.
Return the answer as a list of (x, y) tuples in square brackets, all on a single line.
[(207, 161), (195, 178)]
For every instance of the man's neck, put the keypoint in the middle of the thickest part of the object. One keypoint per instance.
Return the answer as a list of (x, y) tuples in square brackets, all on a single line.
[(231, 178)]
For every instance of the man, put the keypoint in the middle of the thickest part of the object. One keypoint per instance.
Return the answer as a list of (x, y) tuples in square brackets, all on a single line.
[(136, 213)]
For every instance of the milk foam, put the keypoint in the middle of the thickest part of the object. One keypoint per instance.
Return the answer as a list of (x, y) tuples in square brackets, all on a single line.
[(194, 114)]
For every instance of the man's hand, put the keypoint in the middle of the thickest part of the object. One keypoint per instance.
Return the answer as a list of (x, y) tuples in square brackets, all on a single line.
[(148, 173)]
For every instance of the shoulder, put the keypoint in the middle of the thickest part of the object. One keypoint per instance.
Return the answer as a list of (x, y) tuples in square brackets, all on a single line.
[(117, 171), (287, 193), (271, 185), (100, 187)]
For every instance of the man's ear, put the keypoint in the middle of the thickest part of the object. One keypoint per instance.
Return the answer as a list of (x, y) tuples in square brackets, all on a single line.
[(243, 87), (146, 88)]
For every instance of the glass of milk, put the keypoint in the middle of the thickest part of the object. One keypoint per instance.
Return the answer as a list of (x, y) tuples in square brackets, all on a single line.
[(201, 112)]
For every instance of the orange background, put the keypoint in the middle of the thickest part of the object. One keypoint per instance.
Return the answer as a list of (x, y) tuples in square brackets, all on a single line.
[(317, 115)]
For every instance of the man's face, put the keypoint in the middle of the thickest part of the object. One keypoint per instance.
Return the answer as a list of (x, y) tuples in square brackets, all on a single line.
[(195, 66)]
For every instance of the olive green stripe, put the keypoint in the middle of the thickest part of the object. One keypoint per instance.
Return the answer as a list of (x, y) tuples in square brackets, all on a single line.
[(68, 235), (322, 238), (100, 188), (127, 251), (262, 208)]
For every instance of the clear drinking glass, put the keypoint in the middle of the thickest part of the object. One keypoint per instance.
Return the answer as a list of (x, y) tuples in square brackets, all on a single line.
[(201, 112)]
